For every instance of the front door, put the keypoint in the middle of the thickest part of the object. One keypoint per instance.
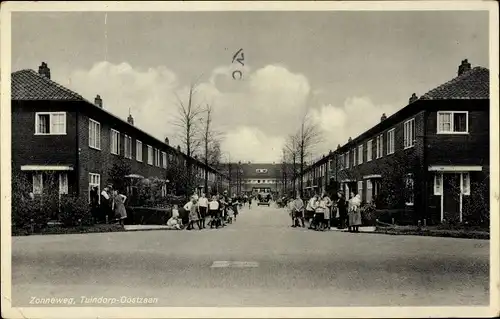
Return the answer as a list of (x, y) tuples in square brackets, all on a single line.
[(451, 197)]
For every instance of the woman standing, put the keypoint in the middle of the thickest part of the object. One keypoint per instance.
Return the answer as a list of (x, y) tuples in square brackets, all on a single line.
[(119, 206), (341, 210), (319, 217), (354, 213), (213, 212)]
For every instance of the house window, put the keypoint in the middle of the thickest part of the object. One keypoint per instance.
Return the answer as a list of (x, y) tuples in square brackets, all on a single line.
[(409, 133), (369, 190), (50, 123), (95, 181), (150, 155), (157, 157), (410, 194), (353, 157), (438, 184), (94, 134), (465, 184), (163, 190), (346, 160), (369, 149), (390, 142), (380, 145), (37, 183), (360, 154), (164, 159), (63, 183), (128, 146), (115, 142), (360, 189), (453, 122), (138, 150)]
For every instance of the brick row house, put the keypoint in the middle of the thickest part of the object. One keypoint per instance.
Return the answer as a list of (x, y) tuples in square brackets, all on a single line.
[(430, 157), (65, 144)]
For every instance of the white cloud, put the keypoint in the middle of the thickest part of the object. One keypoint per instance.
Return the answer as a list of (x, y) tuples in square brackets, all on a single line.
[(256, 113)]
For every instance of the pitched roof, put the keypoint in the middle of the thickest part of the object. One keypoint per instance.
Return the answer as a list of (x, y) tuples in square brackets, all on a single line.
[(29, 85), (474, 84)]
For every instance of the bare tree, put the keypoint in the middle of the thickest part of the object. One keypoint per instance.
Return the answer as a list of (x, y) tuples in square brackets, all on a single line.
[(290, 160), (188, 119), (210, 139), (306, 138)]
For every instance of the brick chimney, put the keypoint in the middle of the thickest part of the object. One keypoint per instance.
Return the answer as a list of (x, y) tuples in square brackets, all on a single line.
[(130, 119), (338, 146), (383, 117), (98, 101), (167, 141), (178, 148), (349, 140), (464, 67), (44, 70), (413, 98)]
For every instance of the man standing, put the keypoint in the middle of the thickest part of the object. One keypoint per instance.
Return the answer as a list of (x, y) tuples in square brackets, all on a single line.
[(298, 211), (203, 205)]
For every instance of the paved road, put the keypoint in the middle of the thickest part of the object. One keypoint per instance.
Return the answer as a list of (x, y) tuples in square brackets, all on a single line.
[(258, 261)]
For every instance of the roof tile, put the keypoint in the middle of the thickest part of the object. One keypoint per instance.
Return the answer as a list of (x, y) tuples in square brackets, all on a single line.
[(29, 85), (474, 84)]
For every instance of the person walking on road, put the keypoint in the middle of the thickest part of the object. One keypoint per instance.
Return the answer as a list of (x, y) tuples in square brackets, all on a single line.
[(354, 213), (203, 206)]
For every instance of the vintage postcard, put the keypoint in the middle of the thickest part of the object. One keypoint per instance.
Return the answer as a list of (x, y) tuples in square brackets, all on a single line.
[(249, 159)]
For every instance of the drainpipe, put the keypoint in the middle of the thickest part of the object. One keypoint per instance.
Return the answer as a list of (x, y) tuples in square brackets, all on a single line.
[(425, 174), (77, 160)]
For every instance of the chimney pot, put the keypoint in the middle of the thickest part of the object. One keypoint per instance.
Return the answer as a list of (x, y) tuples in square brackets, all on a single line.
[(383, 118), (130, 119), (44, 70), (178, 148), (98, 101), (349, 140), (413, 98), (166, 141), (464, 67)]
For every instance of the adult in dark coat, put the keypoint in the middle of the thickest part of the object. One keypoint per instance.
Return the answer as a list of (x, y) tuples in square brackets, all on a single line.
[(342, 207), (97, 216), (106, 204)]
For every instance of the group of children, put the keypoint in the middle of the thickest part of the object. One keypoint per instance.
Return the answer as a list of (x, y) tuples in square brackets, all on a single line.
[(219, 211), (322, 213)]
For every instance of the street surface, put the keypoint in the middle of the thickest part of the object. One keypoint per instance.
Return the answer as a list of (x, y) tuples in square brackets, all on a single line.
[(258, 261)]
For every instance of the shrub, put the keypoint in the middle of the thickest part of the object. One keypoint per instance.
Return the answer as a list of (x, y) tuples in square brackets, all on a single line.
[(75, 211), (148, 216), (368, 214), (26, 211)]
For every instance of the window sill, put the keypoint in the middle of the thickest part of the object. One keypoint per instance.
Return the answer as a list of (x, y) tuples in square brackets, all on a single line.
[(452, 133), (49, 134), (115, 154), (408, 147), (409, 204), (389, 154), (94, 148)]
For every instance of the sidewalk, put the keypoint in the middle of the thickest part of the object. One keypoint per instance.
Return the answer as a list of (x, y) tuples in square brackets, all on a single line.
[(145, 227)]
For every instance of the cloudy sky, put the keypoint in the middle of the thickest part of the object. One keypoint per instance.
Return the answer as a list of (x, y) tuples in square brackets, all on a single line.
[(344, 68)]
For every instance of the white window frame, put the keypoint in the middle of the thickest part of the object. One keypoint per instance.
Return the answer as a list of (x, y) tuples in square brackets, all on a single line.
[(465, 183), (51, 115), (409, 133), (438, 184), (360, 189), (115, 142), (390, 141), (452, 113), (164, 159), (36, 191), (354, 151), (128, 146), (369, 150), (150, 155), (369, 190), (138, 151), (380, 146), (95, 131), (95, 184), (156, 153), (360, 154), (409, 178), (63, 183)]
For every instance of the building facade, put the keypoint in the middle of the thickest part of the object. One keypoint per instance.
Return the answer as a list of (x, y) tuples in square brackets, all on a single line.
[(430, 158), (253, 178), (65, 144)]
